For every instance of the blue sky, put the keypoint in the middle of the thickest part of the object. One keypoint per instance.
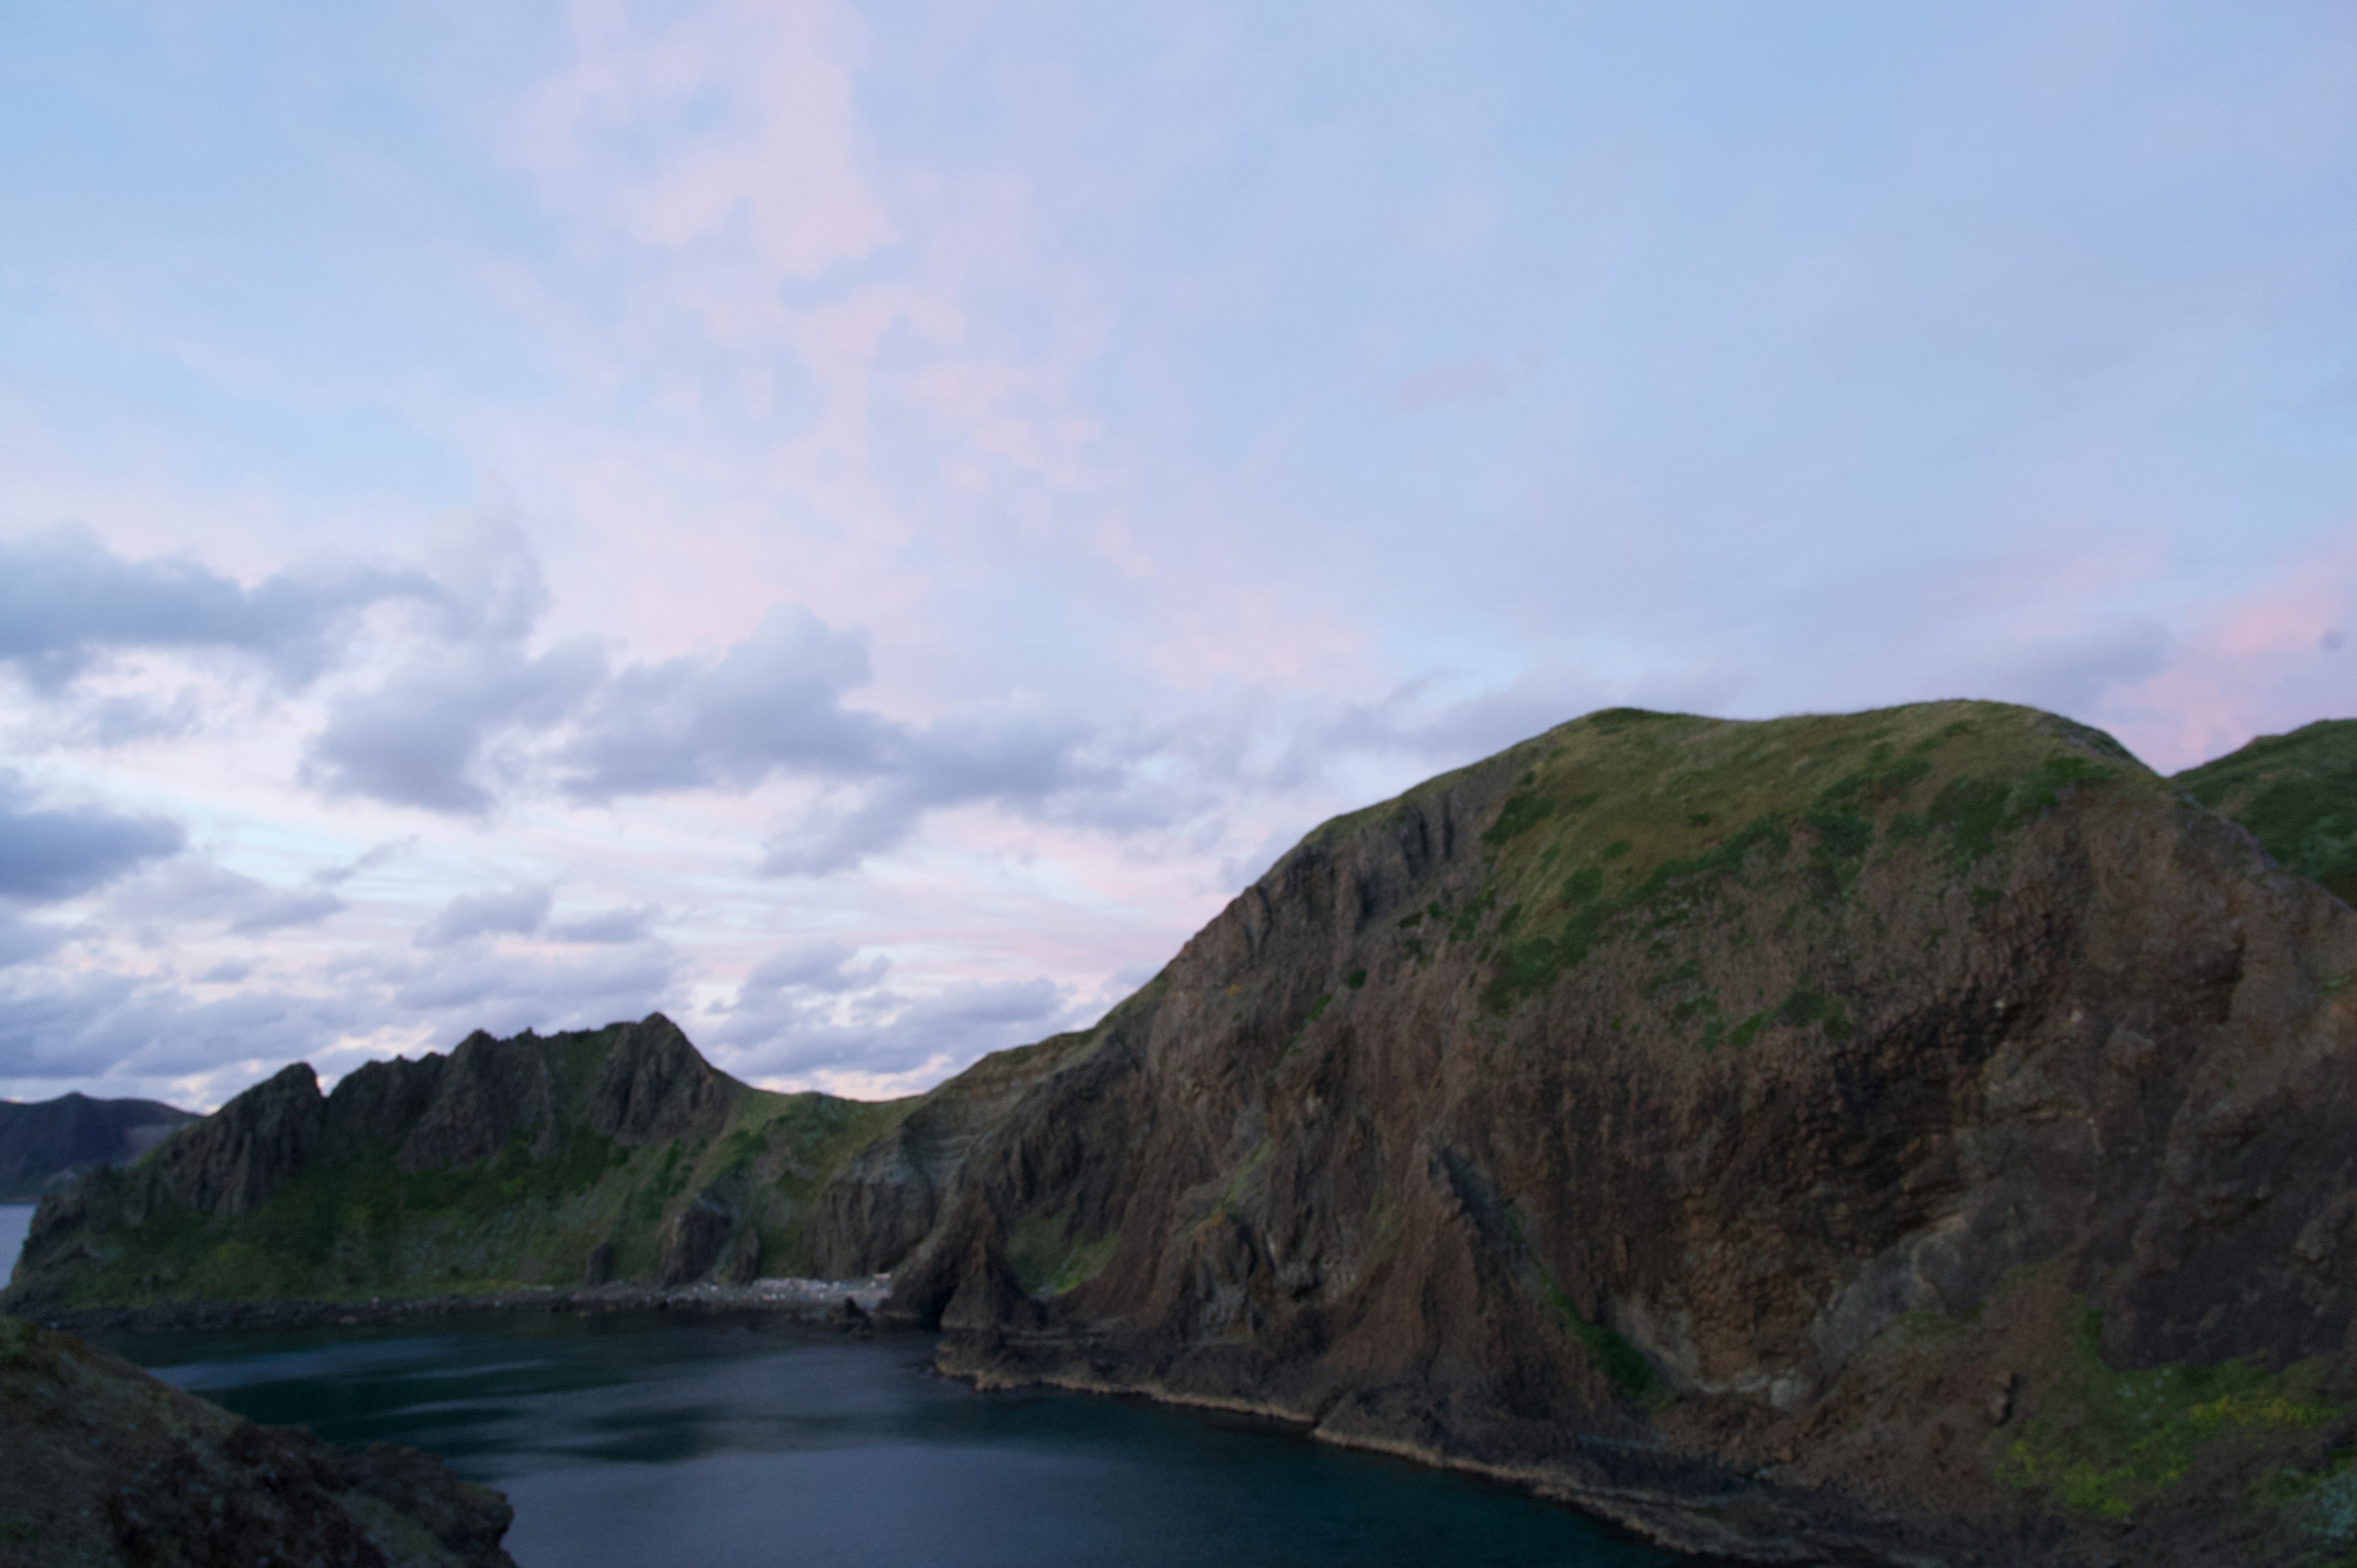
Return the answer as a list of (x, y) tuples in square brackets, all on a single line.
[(863, 526)]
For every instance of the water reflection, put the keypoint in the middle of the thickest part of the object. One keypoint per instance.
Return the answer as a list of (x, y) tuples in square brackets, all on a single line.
[(634, 1441)]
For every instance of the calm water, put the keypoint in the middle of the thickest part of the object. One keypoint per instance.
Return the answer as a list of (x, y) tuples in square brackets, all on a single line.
[(633, 1441)]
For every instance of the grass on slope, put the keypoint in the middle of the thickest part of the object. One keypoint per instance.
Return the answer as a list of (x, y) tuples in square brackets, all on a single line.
[(354, 1225), (1626, 821), (2111, 1440), (2298, 793)]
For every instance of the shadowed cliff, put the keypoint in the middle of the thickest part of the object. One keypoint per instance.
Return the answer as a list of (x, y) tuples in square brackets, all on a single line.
[(617, 1153)]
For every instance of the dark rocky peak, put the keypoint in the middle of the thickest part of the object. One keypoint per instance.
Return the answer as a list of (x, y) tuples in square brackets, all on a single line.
[(379, 1102), (653, 1086), (230, 1162), (487, 1092)]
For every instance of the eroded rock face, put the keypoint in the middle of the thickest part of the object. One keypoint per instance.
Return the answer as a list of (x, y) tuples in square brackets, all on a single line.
[(101, 1464), (1667, 1092), (634, 1087)]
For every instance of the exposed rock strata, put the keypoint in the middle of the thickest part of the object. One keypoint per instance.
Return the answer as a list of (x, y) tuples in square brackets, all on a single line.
[(101, 1464), (1786, 1138)]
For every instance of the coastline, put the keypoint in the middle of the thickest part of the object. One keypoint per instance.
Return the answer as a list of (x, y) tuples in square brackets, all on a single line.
[(845, 1304)]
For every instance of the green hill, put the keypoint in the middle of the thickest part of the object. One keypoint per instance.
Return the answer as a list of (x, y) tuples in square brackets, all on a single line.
[(2297, 792)]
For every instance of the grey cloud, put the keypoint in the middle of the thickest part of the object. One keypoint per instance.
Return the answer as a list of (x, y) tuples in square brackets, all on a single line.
[(513, 911), (66, 598), (94, 1024), (23, 940), (605, 928), (191, 890), (281, 910), (774, 701), (820, 966), (418, 739), (472, 988), (369, 860), (49, 852), (886, 1034)]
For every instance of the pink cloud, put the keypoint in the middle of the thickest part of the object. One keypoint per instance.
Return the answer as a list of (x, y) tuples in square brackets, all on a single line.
[(2269, 661)]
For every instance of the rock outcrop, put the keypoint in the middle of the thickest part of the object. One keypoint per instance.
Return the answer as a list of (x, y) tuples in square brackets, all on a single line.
[(102, 1464), (617, 1153), (51, 1141), (1883, 1138)]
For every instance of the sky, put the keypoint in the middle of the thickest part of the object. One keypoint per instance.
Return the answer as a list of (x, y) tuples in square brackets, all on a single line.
[(862, 527)]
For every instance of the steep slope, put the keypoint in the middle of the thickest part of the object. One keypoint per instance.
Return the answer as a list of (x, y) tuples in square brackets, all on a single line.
[(617, 1153), (102, 1464), (51, 1139), (2297, 792), (1893, 1137)]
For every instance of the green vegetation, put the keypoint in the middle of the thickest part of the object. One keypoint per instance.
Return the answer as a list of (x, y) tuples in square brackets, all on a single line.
[(2297, 793), (2108, 1441), (353, 1224), (1626, 827), (1049, 1259)]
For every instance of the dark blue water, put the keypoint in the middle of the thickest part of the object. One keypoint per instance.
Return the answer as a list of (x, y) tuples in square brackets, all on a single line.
[(628, 1441)]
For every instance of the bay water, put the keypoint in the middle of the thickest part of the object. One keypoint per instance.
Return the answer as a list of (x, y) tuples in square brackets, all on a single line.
[(16, 1220), (633, 1439)]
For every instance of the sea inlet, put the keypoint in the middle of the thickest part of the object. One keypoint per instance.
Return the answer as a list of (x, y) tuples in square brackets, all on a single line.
[(638, 1438)]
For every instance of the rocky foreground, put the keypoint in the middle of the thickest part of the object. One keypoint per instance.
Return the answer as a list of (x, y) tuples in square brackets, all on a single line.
[(103, 1465), (1915, 1137)]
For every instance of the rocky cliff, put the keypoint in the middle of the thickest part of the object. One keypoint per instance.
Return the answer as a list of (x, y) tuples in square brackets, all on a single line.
[(1922, 1136), (611, 1155), (51, 1140), (102, 1464)]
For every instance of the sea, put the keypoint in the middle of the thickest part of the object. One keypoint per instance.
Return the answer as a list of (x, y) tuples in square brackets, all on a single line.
[(630, 1439), (16, 1219)]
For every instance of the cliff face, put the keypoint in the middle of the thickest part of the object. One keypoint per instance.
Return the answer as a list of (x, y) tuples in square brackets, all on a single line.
[(54, 1139), (101, 1464), (616, 1154), (1873, 1137), (1919, 1136)]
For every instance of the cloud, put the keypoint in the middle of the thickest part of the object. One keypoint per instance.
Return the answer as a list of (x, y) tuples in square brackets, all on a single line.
[(605, 928), (418, 739), (23, 940), (513, 911), (66, 598), (773, 701), (820, 966), (471, 988), (52, 852), (778, 1034), (2260, 662), (102, 1024), (725, 138), (189, 892)]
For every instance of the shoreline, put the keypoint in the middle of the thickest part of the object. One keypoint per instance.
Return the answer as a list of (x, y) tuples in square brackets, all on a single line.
[(843, 1303)]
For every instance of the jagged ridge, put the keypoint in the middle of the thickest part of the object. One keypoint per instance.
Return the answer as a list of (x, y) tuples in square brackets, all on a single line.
[(615, 1153)]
